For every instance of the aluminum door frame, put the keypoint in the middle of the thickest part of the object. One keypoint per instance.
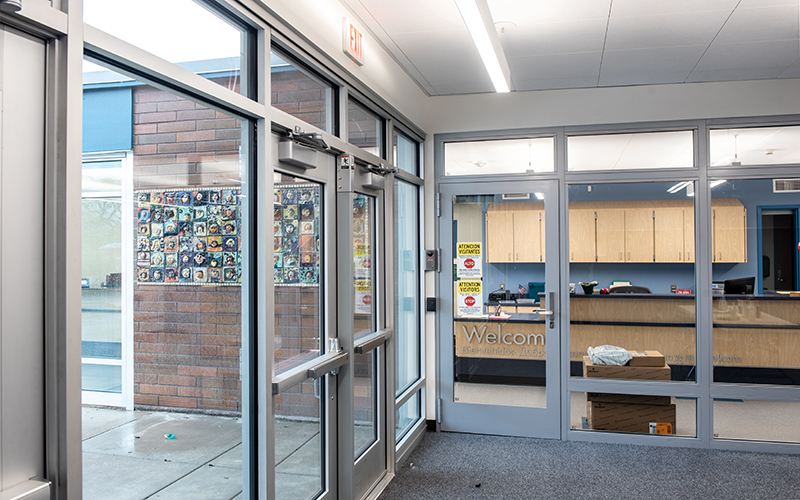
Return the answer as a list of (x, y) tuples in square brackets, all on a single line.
[(491, 419)]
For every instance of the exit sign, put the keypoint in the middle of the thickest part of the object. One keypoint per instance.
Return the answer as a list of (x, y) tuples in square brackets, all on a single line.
[(352, 42)]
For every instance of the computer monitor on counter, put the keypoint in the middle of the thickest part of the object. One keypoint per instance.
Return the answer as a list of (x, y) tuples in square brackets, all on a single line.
[(740, 286)]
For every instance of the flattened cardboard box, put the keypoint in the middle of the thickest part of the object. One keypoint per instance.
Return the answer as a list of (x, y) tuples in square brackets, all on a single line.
[(627, 417), (647, 358), (626, 372), (637, 399)]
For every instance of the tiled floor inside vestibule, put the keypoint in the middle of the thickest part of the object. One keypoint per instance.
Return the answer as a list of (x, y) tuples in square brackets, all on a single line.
[(127, 456)]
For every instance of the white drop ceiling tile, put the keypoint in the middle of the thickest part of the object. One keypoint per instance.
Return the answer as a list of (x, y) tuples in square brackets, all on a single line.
[(411, 16), (576, 82), (761, 24), (769, 54), (434, 46), (578, 64), (524, 12), (667, 30), (555, 38), (651, 65), (658, 7), (464, 88), (793, 72), (735, 74)]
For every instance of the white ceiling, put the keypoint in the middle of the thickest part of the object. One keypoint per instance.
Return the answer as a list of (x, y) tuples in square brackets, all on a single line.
[(559, 44)]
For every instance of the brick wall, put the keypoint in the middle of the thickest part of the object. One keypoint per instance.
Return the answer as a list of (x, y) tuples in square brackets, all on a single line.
[(300, 96), (187, 339)]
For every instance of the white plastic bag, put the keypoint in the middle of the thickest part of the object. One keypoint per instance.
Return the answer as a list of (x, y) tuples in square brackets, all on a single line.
[(609, 355)]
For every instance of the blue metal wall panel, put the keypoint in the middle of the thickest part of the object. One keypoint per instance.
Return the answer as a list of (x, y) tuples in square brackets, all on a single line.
[(107, 119)]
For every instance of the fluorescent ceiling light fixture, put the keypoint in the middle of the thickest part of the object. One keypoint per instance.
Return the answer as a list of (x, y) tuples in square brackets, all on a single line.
[(677, 187), (717, 183), (479, 22), (539, 196)]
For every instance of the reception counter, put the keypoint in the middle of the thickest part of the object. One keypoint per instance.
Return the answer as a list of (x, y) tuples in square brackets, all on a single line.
[(749, 330)]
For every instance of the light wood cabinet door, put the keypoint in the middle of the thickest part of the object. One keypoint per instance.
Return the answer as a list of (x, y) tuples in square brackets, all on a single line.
[(669, 238), (499, 236), (688, 235), (581, 236), (639, 235), (527, 237), (610, 235), (730, 241)]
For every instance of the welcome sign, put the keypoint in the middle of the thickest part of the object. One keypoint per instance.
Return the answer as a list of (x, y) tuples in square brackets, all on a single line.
[(477, 339)]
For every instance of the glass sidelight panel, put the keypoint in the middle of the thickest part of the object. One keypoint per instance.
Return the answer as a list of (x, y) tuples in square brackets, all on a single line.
[(364, 128), (407, 285), (633, 414), (297, 215)]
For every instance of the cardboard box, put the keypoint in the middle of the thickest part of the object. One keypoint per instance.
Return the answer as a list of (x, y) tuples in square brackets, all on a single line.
[(626, 372), (635, 399), (647, 358), (628, 417)]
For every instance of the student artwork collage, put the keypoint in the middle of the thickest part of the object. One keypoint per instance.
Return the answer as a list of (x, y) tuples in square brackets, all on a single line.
[(296, 235), (190, 237)]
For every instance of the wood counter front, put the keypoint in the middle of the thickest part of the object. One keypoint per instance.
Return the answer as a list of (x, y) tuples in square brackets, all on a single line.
[(754, 331)]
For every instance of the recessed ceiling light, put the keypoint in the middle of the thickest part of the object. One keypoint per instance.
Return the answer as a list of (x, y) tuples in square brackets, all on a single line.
[(480, 163)]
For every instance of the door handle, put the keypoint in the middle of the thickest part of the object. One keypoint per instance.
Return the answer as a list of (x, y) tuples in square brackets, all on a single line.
[(551, 313), (314, 368), (372, 341)]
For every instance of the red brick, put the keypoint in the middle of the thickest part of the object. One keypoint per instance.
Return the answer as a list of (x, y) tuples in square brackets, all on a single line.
[(195, 157), (230, 352), (216, 146), (145, 378), (234, 330), (229, 307), (143, 296), (179, 105), (145, 337), (158, 327), (145, 357), (201, 135), (158, 348), (157, 139), (154, 95), (178, 296), (155, 368), (187, 147), (177, 338), (147, 149), (197, 371), (188, 307), (198, 392), (178, 359), (157, 306), (197, 350), (218, 340), (228, 372), (195, 114), (177, 380), (141, 399), (181, 126), (177, 402), (144, 107), (192, 328), (154, 160), (217, 124), (219, 319), (168, 116), (146, 316), (176, 317), (161, 390)]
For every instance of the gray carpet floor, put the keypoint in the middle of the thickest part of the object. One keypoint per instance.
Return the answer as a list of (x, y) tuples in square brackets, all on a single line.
[(465, 466)]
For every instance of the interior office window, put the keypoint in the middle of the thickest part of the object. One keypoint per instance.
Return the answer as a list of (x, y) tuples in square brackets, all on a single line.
[(364, 128), (633, 414), (508, 156), (754, 146), (407, 283), (754, 420), (754, 230), (301, 93), (405, 153), (186, 32), (635, 151), (632, 275), (182, 199)]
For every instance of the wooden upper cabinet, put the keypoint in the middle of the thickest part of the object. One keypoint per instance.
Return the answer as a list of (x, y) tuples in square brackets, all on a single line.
[(639, 235), (581, 235), (610, 235), (669, 237), (688, 235), (499, 236), (527, 237), (729, 231)]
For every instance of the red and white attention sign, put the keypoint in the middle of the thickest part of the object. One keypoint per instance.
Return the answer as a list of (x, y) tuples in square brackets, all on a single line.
[(470, 258), (352, 42)]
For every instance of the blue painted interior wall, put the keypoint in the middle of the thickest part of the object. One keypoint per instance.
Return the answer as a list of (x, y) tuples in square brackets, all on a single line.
[(107, 119), (656, 276)]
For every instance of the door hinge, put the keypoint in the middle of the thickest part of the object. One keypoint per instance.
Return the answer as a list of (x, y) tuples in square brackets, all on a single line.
[(438, 204), (439, 411)]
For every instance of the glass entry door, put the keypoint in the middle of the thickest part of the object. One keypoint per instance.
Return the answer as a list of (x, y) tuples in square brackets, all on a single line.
[(499, 331), (362, 332)]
